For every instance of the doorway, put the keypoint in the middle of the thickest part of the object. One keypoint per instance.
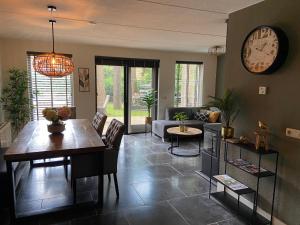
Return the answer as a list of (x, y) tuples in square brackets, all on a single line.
[(120, 85)]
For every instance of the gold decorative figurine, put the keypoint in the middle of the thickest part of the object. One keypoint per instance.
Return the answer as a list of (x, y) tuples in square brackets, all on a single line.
[(262, 134)]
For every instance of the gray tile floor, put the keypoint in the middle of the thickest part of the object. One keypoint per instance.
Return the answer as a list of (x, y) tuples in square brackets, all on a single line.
[(156, 188)]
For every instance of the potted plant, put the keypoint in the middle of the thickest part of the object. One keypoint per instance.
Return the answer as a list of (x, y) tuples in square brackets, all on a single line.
[(15, 99), (149, 100), (57, 117), (181, 116), (229, 107)]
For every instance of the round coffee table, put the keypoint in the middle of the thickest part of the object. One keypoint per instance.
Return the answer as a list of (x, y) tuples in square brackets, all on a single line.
[(175, 131)]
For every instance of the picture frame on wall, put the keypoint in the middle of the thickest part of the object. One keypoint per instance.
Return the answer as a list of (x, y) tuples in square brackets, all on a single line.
[(84, 79)]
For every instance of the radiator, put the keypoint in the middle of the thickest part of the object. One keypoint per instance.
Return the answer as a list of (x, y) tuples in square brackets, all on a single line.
[(5, 135)]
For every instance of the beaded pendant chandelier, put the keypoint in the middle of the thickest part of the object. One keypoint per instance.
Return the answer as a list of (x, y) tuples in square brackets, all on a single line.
[(53, 64)]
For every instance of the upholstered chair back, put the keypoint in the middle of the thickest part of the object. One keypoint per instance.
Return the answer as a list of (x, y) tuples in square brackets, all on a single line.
[(114, 134), (99, 122)]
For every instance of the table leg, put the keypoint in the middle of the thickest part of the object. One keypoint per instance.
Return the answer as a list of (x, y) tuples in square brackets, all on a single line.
[(100, 180), (172, 145), (12, 196), (199, 145)]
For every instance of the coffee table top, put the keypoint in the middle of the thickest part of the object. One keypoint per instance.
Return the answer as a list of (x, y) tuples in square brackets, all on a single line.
[(190, 131)]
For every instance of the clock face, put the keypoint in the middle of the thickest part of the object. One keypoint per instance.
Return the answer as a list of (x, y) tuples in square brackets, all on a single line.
[(260, 49)]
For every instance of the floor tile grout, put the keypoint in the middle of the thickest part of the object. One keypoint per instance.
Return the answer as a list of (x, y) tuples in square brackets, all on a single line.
[(178, 213)]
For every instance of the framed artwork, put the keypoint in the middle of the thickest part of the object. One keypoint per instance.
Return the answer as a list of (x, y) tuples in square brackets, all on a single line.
[(84, 79)]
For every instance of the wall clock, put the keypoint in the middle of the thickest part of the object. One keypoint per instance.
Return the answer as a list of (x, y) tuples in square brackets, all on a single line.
[(264, 50)]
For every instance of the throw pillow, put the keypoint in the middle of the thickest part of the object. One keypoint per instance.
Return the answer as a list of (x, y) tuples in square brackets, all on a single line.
[(202, 116), (213, 117)]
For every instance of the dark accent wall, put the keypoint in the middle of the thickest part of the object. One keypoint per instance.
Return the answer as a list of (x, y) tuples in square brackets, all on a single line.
[(220, 76), (280, 108)]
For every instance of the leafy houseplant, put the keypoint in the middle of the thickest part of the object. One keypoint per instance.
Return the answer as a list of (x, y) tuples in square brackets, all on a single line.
[(14, 99), (229, 107), (57, 116), (181, 116), (149, 100)]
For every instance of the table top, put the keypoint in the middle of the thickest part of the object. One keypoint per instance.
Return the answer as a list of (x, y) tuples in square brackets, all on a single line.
[(190, 131), (35, 142)]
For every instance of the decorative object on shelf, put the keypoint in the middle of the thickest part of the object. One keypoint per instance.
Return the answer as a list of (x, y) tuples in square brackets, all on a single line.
[(149, 100), (264, 50), (57, 117), (53, 64), (244, 140), (15, 101), (262, 134), (229, 107), (217, 50), (181, 116), (233, 140), (84, 79)]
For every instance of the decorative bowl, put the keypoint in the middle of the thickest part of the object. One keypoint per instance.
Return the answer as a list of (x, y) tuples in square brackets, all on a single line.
[(56, 128)]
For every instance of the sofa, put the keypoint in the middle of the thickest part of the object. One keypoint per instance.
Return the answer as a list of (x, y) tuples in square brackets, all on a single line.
[(159, 127)]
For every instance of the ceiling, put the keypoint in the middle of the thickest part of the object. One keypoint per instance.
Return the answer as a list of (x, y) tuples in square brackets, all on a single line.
[(181, 25)]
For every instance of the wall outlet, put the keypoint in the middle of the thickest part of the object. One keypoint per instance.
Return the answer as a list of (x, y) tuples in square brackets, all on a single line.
[(292, 133), (262, 90)]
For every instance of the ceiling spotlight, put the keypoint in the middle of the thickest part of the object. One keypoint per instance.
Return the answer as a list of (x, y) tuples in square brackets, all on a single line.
[(217, 50), (51, 8)]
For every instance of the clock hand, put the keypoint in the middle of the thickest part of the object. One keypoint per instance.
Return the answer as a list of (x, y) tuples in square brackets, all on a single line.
[(264, 45)]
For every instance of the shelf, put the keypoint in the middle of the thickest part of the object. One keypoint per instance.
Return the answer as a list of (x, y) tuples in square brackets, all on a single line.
[(265, 173), (251, 147), (241, 191), (243, 212)]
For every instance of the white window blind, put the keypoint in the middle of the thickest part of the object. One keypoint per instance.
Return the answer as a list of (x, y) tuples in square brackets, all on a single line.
[(47, 92), (188, 84)]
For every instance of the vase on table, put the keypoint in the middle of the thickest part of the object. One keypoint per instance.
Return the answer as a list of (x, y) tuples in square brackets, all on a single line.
[(56, 128)]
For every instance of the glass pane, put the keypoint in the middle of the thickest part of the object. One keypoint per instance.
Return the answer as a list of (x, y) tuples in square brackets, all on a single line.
[(110, 92), (140, 84), (188, 85)]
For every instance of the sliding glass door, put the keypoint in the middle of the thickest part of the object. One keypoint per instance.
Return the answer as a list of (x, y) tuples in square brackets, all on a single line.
[(120, 85), (141, 81), (110, 92)]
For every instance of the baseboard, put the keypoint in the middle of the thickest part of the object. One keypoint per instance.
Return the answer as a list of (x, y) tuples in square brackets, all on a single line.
[(248, 203)]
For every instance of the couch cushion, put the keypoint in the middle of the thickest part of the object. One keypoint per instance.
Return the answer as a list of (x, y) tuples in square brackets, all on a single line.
[(201, 116), (213, 117), (189, 111)]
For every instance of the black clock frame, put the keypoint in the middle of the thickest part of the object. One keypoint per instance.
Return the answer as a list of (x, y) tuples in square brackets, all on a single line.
[(283, 48)]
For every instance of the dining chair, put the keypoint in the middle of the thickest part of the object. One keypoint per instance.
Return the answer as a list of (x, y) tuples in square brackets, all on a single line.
[(87, 165), (99, 122)]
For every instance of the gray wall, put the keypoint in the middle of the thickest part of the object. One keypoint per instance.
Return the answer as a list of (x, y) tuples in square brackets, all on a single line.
[(220, 76), (280, 107)]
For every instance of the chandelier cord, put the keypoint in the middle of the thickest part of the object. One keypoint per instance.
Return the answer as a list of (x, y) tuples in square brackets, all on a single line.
[(52, 21)]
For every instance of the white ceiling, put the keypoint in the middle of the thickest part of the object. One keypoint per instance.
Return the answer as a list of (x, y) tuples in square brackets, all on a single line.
[(183, 25)]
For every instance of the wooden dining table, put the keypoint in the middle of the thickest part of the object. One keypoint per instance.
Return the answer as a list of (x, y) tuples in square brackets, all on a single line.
[(35, 142)]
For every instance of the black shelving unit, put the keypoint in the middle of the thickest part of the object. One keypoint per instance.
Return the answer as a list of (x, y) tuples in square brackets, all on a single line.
[(250, 215)]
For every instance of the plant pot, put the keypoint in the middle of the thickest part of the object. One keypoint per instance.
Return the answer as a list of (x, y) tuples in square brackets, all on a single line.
[(55, 128), (148, 120), (181, 128), (227, 132)]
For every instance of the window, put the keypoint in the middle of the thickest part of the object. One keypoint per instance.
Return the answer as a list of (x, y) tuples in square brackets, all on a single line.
[(47, 92), (188, 84)]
